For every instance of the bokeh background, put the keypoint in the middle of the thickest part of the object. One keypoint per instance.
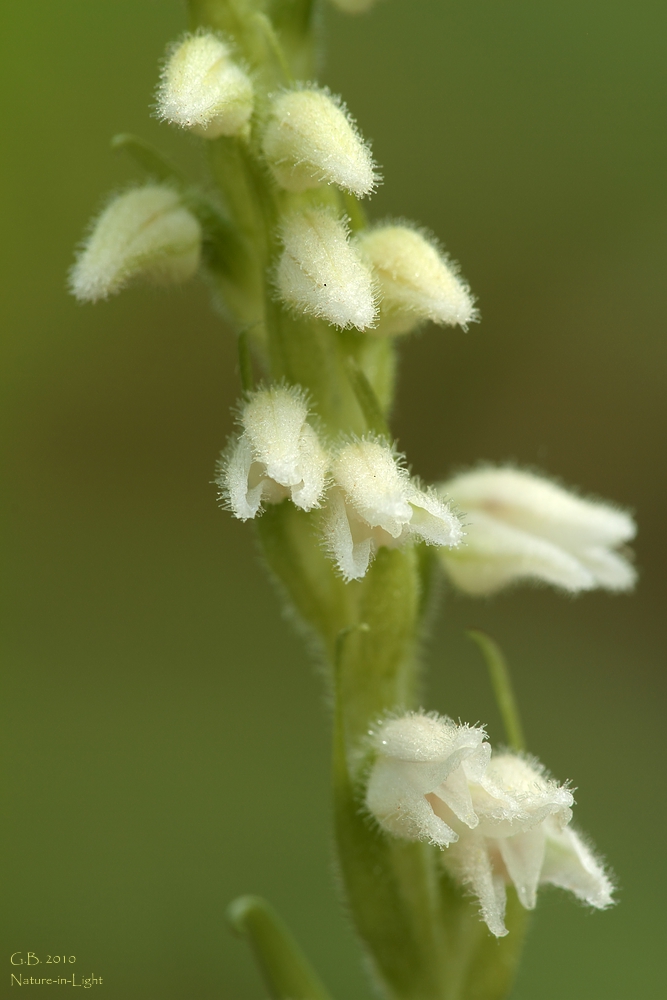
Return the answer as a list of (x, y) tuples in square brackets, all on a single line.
[(166, 740)]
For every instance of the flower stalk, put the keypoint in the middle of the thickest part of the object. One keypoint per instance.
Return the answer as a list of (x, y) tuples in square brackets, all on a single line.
[(441, 845)]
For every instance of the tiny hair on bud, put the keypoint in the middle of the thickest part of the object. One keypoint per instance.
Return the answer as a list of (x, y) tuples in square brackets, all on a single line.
[(203, 89), (144, 233), (417, 281), (321, 274), (310, 139)]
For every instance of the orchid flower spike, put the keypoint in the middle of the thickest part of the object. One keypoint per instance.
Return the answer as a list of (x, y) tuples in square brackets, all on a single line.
[(423, 760), (521, 526), (374, 502), (202, 89), (144, 233), (321, 274), (417, 282), (522, 838), (277, 455), (310, 139)]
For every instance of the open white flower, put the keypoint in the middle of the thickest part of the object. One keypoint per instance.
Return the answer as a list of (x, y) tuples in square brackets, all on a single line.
[(277, 455), (522, 526), (144, 233), (417, 281), (374, 502), (421, 760), (321, 274), (310, 139), (204, 90), (522, 838), (501, 819)]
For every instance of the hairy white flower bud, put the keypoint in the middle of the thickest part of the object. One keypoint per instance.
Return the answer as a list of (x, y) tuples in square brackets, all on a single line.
[(144, 233), (321, 274), (417, 281), (501, 819), (421, 759), (375, 502), (277, 455), (310, 139), (521, 526), (522, 838), (203, 89)]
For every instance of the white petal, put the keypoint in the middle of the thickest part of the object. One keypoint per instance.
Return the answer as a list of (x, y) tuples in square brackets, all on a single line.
[(400, 807), (242, 480), (523, 856), (311, 140), (432, 520), (494, 554), (570, 864), (469, 860), (374, 484), (312, 467), (321, 274), (537, 505), (348, 538)]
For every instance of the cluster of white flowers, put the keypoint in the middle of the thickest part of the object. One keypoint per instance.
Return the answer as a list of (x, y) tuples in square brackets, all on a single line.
[(498, 818), (517, 525), (370, 498)]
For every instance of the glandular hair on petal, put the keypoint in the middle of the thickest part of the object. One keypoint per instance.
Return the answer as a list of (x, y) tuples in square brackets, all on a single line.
[(203, 89), (310, 139), (146, 232), (321, 274), (417, 281), (374, 484)]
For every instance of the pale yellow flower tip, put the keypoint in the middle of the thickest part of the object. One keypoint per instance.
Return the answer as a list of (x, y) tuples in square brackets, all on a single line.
[(417, 281), (321, 274), (144, 233), (204, 90), (310, 139)]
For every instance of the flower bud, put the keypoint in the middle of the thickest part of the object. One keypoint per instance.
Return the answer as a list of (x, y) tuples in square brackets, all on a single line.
[(204, 90), (320, 272), (521, 526), (417, 282), (277, 455), (375, 503), (310, 140), (144, 233)]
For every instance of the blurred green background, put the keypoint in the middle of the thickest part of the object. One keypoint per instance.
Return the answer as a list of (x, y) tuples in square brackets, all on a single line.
[(165, 736)]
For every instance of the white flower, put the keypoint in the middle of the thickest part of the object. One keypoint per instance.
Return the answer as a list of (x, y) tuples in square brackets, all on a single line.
[(204, 90), (146, 232), (374, 502), (277, 455), (522, 838), (521, 526), (321, 274), (310, 139), (422, 760), (417, 281), (499, 819)]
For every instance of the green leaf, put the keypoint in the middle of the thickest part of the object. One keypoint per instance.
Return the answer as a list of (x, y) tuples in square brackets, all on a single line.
[(502, 688), (287, 972), (148, 158)]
